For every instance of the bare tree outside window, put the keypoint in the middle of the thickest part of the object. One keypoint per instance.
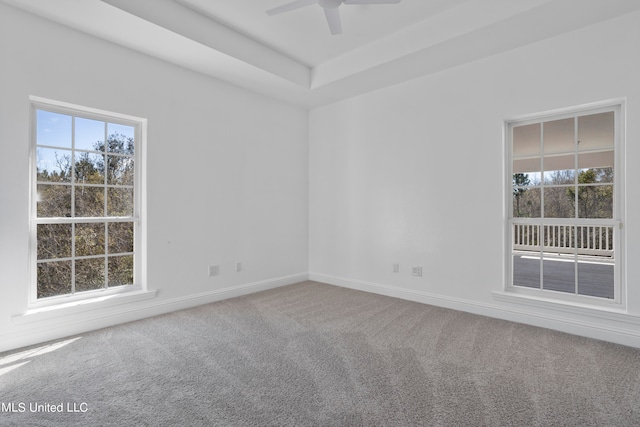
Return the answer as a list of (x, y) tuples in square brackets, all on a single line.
[(84, 203)]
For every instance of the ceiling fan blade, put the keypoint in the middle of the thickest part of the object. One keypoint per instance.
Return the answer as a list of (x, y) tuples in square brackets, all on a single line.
[(296, 4), (371, 1), (333, 19)]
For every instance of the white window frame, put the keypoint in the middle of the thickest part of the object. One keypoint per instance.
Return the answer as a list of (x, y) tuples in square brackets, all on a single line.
[(619, 301), (138, 218)]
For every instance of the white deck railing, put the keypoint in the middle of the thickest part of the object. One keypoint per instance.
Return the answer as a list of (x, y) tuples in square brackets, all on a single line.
[(564, 239)]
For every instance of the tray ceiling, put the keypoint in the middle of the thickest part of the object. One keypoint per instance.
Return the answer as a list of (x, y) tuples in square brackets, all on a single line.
[(294, 58)]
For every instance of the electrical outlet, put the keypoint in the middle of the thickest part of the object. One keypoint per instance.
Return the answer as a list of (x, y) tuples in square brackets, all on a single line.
[(396, 268), (214, 270), (238, 267), (417, 270)]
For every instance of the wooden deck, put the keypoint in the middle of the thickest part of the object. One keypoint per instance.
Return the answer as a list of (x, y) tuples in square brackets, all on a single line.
[(594, 278)]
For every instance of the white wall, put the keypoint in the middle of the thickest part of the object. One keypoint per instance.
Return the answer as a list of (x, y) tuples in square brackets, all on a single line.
[(385, 173), (227, 172), (414, 174)]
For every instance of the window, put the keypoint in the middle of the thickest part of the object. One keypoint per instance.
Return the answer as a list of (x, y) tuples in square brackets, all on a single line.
[(85, 228), (565, 204)]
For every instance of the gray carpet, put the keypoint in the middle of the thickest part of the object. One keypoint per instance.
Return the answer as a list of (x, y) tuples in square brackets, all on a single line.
[(316, 355)]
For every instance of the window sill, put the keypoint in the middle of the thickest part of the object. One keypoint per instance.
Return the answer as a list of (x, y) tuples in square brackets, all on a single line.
[(81, 306), (618, 314)]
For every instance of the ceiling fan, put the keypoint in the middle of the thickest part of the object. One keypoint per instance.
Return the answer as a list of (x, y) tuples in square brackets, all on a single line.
[(331, 11)]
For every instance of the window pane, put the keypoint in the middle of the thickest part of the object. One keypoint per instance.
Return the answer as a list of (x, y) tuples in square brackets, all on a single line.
[(121, 270), (121, 139), (526, 172), (90, 239), (526, 270), (53, 165), (524, 180), (54, 241), (595, 201), (559, 202), (526, 237), (595, 278), (89, 201), (120, 237), (120, 170), (120, 202), (559, 177), (559, 239), (601, 162), (54, 278), (526, 140), (89, 168), (596, 131), (600, 175), (89, 274), (559, 136), (53, 201), (526, 202), (559, 169), (53, 129), (559, 274), (526, 255), (595, 240), (89, 134)]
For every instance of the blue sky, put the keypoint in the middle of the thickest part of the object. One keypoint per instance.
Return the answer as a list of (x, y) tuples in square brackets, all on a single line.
[(56, 130)]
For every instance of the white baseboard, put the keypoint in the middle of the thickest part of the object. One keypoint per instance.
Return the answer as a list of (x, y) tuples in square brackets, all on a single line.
[(37, 328), (619, 329)]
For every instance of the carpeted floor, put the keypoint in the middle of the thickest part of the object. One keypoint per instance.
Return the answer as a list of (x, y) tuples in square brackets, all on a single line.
[(316, 355)]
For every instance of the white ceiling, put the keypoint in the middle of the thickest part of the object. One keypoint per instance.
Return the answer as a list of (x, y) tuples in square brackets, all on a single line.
[(294, 58), (303, 34)]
